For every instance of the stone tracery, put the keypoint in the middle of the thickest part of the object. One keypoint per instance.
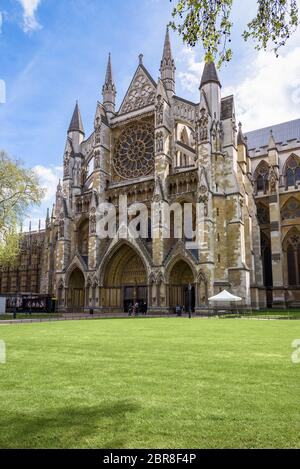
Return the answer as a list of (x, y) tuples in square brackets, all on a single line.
[(141, 94), (134, 151)]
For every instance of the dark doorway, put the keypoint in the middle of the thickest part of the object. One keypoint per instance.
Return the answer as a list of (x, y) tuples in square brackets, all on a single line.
[(128, 298), (187, 300), (134, 295), (76, 291)]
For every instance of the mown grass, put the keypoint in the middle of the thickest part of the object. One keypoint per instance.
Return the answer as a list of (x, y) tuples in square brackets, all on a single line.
[(135, 383)]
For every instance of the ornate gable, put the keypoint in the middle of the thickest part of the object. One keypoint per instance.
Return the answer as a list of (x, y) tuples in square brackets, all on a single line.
[(141, 92)]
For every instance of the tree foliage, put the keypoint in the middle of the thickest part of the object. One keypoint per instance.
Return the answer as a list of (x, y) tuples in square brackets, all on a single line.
[(19, 190), (208, 22)]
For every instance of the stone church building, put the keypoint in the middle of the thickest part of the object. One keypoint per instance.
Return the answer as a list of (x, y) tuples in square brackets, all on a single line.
[(161, 147)]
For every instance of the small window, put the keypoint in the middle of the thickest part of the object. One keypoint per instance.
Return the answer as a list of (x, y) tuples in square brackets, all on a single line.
[(291, 266), (292, 171), (290, 177), (260, 183)]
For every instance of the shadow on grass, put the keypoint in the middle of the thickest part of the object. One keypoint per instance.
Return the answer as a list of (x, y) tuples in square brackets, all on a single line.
[(70, 427)]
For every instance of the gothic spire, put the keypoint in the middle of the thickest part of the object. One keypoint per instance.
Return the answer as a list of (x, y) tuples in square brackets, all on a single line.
[(272, 143), (209, 75), (167, 54), (240, 137), (167, 66), (109, 89), (211, 86), (47, 218), (108, 76), (76, 122)]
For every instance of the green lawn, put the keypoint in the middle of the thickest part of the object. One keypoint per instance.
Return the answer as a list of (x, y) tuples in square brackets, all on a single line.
[(131, 383)]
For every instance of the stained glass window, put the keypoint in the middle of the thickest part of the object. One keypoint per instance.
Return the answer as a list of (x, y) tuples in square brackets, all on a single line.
[(292, 171), (291, 209), (262, 177), (293, 258)]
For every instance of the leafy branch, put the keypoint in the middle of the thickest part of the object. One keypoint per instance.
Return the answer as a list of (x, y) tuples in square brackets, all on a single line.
[(208, 22)]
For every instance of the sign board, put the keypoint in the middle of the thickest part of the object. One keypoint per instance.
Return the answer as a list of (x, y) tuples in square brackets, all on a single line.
[(2, 304)]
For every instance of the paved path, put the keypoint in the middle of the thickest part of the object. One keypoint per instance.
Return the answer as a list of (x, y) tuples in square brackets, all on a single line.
[(87, 317), (80, 317)]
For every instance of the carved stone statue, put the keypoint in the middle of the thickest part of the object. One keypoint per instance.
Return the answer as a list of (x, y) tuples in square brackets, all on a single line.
[(159, 142), (203, 199), (159, 111), (97, 160), (273, 180), (66, 164), (93, 221), (202, 126)]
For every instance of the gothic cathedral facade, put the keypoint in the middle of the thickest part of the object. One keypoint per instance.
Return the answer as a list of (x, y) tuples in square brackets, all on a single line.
[(159, 147)]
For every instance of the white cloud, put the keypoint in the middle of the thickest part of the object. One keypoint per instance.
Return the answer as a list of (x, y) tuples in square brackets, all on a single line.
[(191, 76), (270, 91), (48, 178), (1, 21), (30, 7)]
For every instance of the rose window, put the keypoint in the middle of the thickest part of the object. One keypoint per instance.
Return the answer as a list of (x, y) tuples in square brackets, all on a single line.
[(134, 152)]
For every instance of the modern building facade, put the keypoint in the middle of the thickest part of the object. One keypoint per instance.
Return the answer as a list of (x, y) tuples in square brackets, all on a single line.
[(160, 148)]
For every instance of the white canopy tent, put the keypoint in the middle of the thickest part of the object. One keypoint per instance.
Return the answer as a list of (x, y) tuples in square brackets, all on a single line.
[(225, 297), (224, 300)]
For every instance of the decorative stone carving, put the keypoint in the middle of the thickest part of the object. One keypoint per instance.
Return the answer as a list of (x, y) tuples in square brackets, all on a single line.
[(185, 111), (202, 126), (159, 142), (273, 180), (67, 164), (93, 221), (263, 214), (61, 225), (84, 174), (97, 124), (97, 160), (159, 110), (291, 209), (140, 94), (294, 239)]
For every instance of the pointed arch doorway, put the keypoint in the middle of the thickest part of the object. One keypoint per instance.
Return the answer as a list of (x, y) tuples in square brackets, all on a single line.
[(76, 296), (181, 277), (125, 281)]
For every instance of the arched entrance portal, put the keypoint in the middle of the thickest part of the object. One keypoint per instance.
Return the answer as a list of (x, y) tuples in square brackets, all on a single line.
[(125, 281), (76, 290), (181, 277)]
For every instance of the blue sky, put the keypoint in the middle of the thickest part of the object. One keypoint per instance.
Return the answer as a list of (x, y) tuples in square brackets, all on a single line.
[(54, 52)]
